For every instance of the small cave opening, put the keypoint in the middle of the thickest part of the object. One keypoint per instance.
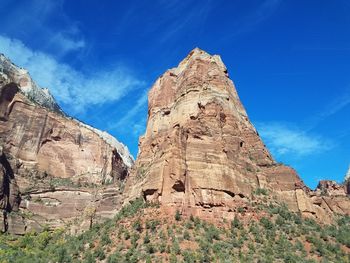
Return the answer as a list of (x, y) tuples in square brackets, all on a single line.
[(148, 193), (166, 112), (241, 144), (241, 195), (7, 93), (179, 186), (222, 117), (232, 194)]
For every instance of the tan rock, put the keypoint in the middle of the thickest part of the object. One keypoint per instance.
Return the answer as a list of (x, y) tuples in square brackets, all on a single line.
[(200, 152), (58, 164), (330, 188)]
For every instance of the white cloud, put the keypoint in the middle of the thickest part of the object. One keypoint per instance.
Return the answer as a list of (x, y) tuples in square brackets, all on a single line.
[(75, 89), (140, 103), (33, 18), (283, 139), (133, 118), (65, 43), (336, 105)]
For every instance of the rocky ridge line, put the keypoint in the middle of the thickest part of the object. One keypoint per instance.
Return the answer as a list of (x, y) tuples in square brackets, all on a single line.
[(56, 171), (9, 72)]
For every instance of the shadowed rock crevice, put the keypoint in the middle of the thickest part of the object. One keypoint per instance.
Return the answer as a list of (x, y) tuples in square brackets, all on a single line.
[(179, 186), (9, 193), (7, 93)]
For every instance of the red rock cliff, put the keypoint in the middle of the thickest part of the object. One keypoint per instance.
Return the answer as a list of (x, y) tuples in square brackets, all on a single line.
[(201, 153), (55, 170)]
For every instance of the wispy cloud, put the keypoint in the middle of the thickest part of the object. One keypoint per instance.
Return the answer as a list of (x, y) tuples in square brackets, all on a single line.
[(285, 139), (181, 15), (133, 118), (67, 41), (76, 90), (249, 21), (30, 20), (334, 106)]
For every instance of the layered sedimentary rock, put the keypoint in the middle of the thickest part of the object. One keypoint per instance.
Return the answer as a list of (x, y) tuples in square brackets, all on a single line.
[(9, 72), (55, 170), (201, 153)]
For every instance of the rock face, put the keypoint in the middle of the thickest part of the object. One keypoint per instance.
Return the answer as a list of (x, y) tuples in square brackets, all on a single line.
[(9, 72), (347, 181), (200, 152), (331, 188), (54, 170)]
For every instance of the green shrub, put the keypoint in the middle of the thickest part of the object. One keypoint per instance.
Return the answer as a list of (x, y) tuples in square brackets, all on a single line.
[(146, 239), (126, 234), (105, 240), (212, 233), (177, 215), (114, 258), (266, 223), (260, 191), (150, 248), (134, 238), (99, 253), (240, 210), (173, 258), (162, 247), (152, 224), (189, 256), (137, 225), (236, 223), (175, 248), (187, 235)]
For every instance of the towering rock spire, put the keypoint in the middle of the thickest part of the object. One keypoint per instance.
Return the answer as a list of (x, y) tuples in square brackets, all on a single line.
[(200, 152)]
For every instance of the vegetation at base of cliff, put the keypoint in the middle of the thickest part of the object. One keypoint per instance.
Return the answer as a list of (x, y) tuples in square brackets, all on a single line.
[(140, 233)]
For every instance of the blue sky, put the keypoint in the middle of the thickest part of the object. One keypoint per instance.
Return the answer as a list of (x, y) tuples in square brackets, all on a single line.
[(290, 61)]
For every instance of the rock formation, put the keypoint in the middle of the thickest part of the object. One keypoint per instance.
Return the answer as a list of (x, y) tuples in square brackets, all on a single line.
[(9, 72), (331, 188), (347, 181), (55, 170), (201, 154)]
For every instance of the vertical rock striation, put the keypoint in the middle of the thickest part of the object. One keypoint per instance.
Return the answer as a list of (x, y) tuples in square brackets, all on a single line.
[(200, 152), (55, 170)]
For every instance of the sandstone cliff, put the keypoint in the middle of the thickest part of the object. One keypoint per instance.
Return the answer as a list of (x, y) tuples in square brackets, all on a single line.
[(201, 154), (55, 170)]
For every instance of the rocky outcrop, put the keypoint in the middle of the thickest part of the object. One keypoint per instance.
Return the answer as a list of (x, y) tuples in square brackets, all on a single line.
[(55, 170), (330, 188), (9, 72), (347, 181), (200, 152)]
